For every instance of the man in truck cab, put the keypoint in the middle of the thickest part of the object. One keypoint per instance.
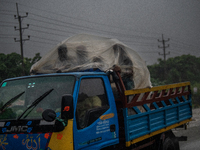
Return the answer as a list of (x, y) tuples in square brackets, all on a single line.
[(84, 104)]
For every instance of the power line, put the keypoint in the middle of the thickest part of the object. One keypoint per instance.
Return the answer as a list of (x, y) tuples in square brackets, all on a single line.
[(7, 2), (147, 52), (6, 26), (52, 29), (75, 26), (44, 38), (79, 27), (6, 14), (72, 28), (41, 31), (6, 43), (5, 37), (187, 52), (10, 11), (184, 44), (9, 22), (80, 19), (39, 45), (7, 34), (41, 42), (139, 43)]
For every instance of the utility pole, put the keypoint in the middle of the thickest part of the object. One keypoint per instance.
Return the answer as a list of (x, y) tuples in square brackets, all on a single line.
[(164, 47), (21, 40), (164, 53)]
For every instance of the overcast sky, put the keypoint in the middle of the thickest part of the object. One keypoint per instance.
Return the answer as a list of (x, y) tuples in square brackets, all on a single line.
[(137, 23)]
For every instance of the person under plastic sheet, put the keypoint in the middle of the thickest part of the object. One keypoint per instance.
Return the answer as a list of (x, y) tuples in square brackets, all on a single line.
[(84, 104), (124, 60), (127, 77)]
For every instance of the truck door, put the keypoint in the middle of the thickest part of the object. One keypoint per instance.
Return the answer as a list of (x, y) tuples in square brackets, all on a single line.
[(96, 121)]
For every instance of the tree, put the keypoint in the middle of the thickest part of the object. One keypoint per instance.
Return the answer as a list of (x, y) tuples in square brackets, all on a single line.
[(195, 94), (10, 65), (178, 69)]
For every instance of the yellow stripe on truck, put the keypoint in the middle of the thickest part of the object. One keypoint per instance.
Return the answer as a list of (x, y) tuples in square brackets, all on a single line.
[(157, 88), (156, 132), (64, 139)]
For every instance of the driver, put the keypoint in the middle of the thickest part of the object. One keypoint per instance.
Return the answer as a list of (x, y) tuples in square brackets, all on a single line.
[(85, 103)]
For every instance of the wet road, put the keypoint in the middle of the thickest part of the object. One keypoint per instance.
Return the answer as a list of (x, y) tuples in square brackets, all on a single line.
[(192, 133)]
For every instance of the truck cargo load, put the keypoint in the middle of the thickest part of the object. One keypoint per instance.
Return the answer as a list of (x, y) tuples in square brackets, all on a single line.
[(83, 52)]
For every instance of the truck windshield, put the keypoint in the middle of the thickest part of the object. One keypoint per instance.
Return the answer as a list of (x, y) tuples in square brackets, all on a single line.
[(16, 96)]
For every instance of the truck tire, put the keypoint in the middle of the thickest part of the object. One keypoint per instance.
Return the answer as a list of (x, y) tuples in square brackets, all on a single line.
[(169, 144)]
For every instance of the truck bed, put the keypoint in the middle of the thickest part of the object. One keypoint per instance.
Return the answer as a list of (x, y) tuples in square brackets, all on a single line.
[(151, 111)]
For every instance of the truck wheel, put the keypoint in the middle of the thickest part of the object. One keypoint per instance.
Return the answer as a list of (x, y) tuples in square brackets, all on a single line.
[(168, 144)]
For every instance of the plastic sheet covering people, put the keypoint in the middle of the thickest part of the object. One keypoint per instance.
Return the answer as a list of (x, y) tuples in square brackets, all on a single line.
[(82, 52)]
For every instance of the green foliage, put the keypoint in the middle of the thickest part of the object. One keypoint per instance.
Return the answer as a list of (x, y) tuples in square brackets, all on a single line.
[(178, 69), (195, 95), (11, 65)]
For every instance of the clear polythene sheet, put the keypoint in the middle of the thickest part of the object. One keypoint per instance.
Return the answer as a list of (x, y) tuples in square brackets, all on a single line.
[(82, 52)]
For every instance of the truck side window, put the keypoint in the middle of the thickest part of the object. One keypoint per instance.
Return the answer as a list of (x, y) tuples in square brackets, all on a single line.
[(92, 101)]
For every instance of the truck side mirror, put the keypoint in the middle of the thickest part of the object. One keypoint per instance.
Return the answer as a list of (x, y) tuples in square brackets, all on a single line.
[(49, 115), (67, 109)]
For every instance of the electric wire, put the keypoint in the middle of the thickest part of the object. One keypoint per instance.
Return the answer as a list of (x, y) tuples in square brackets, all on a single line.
[(66, 16)]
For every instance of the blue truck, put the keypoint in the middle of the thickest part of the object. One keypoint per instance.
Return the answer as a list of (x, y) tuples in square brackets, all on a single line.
[(90, 110)]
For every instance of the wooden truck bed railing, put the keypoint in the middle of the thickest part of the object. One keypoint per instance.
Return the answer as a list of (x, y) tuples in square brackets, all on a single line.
[(151, 111)]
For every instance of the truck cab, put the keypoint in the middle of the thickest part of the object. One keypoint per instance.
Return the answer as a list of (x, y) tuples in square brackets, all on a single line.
[(58, 111)]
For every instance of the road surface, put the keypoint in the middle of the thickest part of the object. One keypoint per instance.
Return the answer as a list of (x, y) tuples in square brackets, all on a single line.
[(192, 133)]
